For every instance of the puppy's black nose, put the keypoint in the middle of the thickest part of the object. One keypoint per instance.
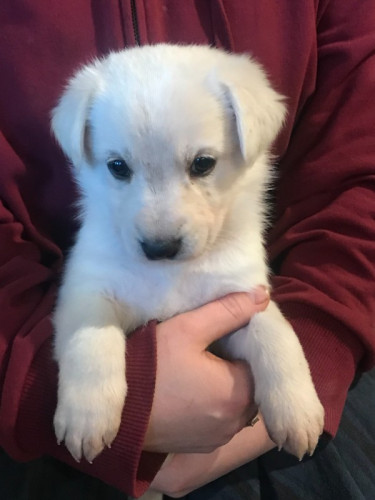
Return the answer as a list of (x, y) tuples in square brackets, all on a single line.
[(161, 249)]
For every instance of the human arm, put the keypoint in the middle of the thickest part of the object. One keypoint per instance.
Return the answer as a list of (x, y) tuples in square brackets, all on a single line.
[(37, 196), (28, 372), (36, 227), (29, 375), (322, 243), (183, 473)]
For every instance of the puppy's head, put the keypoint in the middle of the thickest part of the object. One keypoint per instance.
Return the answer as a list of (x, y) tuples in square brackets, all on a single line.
[(162, 139)]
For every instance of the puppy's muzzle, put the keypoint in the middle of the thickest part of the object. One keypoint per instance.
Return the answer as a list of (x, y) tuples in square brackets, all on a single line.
[(161, 249)]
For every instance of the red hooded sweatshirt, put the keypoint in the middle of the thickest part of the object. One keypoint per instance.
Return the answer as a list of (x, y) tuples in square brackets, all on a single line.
[(320, 55)]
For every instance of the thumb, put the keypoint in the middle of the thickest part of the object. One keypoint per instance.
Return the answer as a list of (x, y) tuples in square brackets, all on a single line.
[(225, 315)]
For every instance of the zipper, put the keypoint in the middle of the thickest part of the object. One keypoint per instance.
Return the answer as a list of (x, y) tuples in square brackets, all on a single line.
[(135, 22)]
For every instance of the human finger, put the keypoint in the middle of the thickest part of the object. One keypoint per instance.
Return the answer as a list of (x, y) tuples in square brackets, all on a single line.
[(222, 316)]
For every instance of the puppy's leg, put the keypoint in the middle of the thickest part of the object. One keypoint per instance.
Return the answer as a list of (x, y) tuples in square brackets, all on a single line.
[(90, 351), (284, 390)]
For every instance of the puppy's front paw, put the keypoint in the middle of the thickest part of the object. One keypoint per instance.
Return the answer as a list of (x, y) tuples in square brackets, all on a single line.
[(88, 417), (294, 418)]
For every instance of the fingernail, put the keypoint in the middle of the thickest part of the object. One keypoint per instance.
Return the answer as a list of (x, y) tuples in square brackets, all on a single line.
[(260, 294)]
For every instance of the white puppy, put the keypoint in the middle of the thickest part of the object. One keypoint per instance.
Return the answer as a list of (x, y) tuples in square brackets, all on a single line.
[(170, 148)]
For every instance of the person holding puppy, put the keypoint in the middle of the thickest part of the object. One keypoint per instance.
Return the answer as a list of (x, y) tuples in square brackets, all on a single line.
[(321, 245)]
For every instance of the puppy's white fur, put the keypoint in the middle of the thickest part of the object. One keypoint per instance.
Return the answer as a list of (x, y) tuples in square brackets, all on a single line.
[(158, 108)]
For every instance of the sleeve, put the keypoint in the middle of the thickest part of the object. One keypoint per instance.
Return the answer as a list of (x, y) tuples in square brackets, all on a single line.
[(322, 246), (29, 266)]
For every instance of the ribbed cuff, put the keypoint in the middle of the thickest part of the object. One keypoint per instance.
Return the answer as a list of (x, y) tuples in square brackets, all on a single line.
[(333, 355), (124, 466)]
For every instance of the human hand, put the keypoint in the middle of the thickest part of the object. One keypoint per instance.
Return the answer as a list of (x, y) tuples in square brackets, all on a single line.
[(201, 401), (183, 473)]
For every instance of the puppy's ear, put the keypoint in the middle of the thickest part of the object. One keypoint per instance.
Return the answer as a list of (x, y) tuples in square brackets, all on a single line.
[(258, 110), (70, 117)]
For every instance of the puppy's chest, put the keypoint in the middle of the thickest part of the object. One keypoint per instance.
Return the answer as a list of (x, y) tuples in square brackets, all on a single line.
[(161, 295)]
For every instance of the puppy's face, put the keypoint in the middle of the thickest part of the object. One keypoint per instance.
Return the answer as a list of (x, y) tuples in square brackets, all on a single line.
[(161, 151), (166, 170)]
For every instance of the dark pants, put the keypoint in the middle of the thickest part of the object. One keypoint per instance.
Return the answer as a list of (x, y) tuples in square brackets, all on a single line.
[(343, 469)]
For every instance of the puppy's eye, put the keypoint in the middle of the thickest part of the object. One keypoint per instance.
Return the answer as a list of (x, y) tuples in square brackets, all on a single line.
[(202, 166), (119, 169)]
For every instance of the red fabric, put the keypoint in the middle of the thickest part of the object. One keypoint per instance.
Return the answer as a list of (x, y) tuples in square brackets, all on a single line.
[(320, 55)]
